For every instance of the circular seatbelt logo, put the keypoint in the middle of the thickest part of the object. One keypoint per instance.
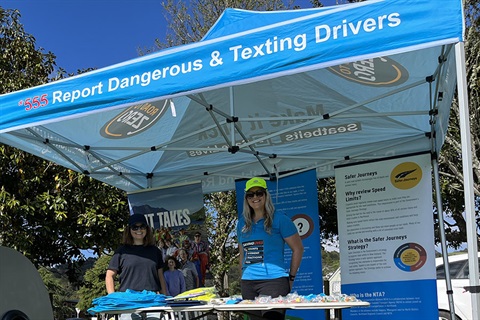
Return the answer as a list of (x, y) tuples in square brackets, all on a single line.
[(134, 120), (376, 72)]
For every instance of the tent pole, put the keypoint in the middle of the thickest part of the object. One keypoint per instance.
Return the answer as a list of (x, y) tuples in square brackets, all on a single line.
[(468, 184), (232, 113), (443, 240)]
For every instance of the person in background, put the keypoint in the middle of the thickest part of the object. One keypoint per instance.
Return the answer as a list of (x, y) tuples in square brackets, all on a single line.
[(138, 262), (200, 254), (174, 278), (262, 234), (163, 248), (182, 236), (189, 270), (171, 248)]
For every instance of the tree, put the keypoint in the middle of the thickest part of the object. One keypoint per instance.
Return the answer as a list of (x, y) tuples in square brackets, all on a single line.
[(222, 220), (189, 21), (44, 206), (47, 212), (21, 65), (94, 283), (327, 207), (450, 158), (60, 291), (330, 262)]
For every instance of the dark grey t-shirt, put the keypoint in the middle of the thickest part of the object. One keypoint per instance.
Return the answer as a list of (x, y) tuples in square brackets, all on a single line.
[(190, 273), (137, 267)]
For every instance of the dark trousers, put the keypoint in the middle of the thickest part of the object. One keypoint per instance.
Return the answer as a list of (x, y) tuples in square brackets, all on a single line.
[(271, 287)]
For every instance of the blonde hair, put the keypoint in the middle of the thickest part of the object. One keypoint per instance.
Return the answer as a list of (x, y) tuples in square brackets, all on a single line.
[(248, 214), (149, 239)]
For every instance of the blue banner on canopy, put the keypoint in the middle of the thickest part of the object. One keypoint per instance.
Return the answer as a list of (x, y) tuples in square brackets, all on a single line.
[(302, 43)]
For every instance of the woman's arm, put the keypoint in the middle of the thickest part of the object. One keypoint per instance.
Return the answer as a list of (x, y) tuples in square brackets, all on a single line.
[(295, 243), (240, 251), (110, 280)]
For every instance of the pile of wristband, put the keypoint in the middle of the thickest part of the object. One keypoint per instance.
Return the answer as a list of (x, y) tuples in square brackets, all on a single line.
[(296, 298)]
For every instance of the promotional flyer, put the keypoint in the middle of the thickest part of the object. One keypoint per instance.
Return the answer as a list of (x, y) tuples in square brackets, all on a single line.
[(387, 253)]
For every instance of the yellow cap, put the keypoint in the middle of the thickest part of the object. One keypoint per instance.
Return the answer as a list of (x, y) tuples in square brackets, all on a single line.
[(255, 182)]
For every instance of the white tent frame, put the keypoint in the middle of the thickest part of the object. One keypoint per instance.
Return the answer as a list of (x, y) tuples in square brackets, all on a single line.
[(469, 194)]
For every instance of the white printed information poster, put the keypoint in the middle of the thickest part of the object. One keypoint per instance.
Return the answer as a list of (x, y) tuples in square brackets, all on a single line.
[(387, 251)]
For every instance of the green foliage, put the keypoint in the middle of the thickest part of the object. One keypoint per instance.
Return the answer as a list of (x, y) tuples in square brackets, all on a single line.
[(327, 207), (42, 205), (21, 65), (94, 283), (450, 159), (330, 262), (45, 205), (60, 291), (222, 220)]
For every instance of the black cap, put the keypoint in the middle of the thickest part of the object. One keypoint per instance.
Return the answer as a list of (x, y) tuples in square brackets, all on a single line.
[(137, 218)]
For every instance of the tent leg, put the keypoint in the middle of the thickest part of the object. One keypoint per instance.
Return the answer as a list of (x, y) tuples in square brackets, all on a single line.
[(443, 240), (468, 184)]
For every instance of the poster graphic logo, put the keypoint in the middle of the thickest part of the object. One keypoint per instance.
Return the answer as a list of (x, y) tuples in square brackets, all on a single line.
[(254, 251), (410, 257), (376, 72), (406, 175), (304, 224), (134, 120)]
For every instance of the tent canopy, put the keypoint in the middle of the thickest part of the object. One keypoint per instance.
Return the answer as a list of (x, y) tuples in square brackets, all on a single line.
[(264, 93)]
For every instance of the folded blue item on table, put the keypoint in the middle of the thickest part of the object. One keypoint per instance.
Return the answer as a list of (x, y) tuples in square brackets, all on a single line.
[(233, 301), (127, 300)]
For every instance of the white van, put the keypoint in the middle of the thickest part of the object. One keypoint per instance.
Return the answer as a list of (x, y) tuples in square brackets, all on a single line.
[(461, 298)]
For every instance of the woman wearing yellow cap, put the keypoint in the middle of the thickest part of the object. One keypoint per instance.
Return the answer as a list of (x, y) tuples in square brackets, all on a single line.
[(262, 234)]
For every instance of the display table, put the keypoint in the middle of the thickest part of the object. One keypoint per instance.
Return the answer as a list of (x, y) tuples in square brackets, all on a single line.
[(243, 307), (205, 308)]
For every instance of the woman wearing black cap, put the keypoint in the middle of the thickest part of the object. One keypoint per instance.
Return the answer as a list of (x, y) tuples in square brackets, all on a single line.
[(262, 234), (138, 261)]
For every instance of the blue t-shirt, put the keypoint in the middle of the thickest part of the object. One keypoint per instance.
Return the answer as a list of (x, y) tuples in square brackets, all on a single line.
[(175, 282), (263, 253)]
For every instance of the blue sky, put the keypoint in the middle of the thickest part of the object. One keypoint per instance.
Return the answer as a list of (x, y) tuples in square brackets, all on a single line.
[(95, 33)]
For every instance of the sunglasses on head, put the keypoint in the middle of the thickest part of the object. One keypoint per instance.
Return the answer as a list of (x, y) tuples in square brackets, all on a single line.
[(251, 194), (135, 228)]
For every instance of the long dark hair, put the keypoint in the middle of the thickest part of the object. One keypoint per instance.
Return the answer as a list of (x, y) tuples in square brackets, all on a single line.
[(127, 238), (177, 263)]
